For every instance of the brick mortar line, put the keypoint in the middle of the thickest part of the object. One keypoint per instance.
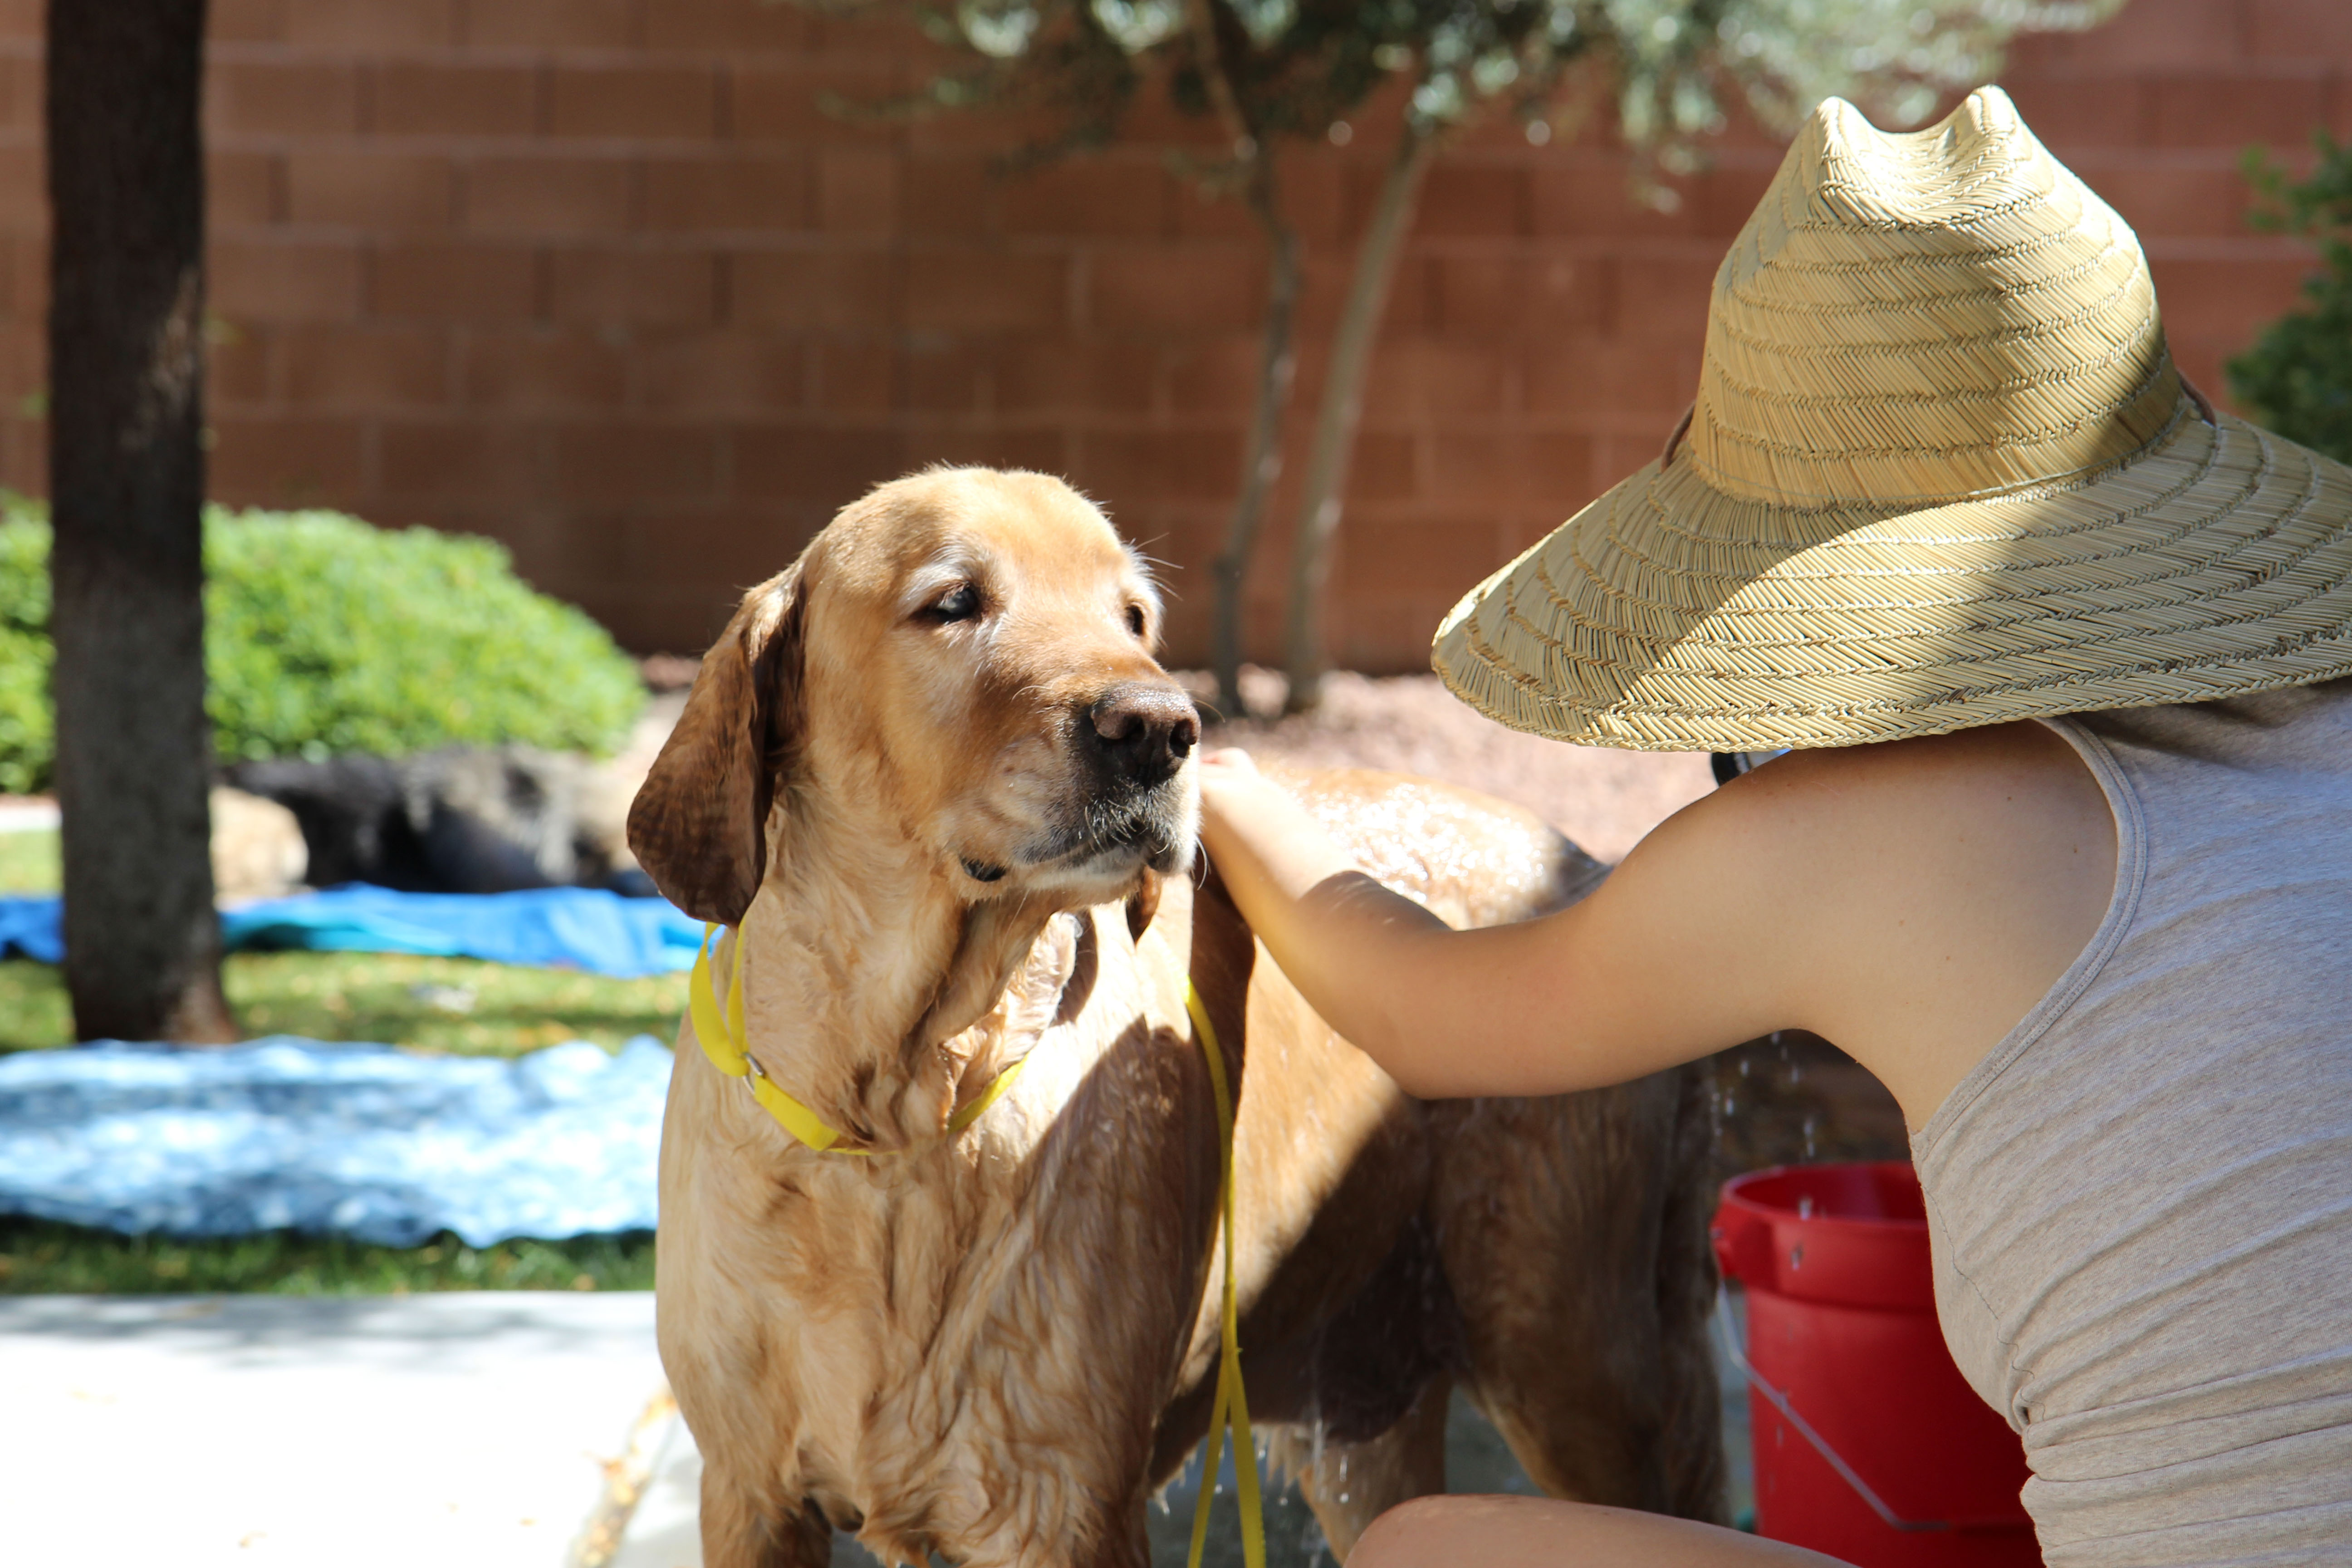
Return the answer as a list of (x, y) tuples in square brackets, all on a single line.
[(241, 51), (875, 244), (1146, 157), (507, 144), (2106, 158), (869, 243), (505, 56), (1032, 245), (2162, 248), (716, 426)]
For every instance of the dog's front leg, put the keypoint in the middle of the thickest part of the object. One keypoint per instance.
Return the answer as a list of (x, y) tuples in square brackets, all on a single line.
[(1117, 1540), (741, 1530), (1096, 1535), (1348, 1485)]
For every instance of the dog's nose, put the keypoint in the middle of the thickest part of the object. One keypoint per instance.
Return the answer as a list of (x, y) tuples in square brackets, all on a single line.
[(1142, 732)]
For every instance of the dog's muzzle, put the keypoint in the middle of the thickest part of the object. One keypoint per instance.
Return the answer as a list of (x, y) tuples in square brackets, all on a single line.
[(1136, 736), (1130, 806)]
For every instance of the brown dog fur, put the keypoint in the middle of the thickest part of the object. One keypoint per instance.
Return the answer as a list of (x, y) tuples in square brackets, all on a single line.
[(994, 1345)]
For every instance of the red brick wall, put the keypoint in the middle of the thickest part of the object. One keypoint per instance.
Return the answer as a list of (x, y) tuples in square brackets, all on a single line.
[(599, 277)]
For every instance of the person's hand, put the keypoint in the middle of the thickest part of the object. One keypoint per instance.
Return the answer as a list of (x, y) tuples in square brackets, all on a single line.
[(1229, 779), (1227, 776)]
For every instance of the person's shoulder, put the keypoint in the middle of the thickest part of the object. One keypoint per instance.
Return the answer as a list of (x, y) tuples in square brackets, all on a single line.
[(1892, 813), (1910, 900), (1894, 781)]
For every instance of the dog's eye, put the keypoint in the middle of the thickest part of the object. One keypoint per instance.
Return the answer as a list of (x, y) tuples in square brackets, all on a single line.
[(1135, 619), (961, 602)]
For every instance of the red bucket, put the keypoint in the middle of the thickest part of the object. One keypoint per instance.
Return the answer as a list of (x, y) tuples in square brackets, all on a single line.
[(1869, 1443)]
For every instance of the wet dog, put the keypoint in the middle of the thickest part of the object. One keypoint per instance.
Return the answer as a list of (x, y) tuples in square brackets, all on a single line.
[(935, 783)]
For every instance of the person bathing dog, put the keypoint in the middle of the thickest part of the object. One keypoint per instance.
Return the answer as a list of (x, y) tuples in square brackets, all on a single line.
[(2062, 849)]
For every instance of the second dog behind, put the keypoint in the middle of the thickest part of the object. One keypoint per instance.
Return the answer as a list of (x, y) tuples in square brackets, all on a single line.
[(461, 819)]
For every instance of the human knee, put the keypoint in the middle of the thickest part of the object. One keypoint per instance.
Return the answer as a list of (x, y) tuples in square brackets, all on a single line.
[(1414, 1534)]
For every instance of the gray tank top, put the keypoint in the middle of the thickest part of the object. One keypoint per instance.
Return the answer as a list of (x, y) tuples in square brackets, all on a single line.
[(2140, 1202)]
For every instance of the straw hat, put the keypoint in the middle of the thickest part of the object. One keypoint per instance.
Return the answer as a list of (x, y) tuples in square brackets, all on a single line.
[(1940, 472)]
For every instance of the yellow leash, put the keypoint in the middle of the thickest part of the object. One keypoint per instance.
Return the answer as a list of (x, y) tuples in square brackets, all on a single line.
[(726, 1042), (1231, 1402)]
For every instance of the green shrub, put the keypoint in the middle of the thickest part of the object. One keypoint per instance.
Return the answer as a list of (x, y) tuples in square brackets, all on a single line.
[(25, 730), (324, 635), (2297, 378)]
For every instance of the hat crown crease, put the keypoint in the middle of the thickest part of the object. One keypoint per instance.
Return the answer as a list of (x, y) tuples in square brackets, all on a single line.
[(1992, 323)]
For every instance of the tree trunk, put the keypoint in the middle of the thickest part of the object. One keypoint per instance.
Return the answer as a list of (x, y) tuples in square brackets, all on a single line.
[(1343, 410), (127, 479), (1277, 364)]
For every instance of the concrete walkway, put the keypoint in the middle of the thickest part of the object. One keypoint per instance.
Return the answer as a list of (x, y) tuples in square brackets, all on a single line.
[(439, 1431), (525, 1429), (27, 814)]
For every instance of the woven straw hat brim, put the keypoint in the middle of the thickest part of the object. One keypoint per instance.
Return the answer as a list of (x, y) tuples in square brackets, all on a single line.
[(1668, 615)]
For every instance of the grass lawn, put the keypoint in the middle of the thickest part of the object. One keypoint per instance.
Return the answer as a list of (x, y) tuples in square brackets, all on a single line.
[(28, 862), (456, 1005), (41, 1258)]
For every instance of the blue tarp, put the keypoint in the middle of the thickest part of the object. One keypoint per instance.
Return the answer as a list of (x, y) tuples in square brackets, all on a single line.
[(33, 928), (371, 1142), (568, 928)]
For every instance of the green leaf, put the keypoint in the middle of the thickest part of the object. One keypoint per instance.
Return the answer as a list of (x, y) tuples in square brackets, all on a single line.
[(325, 635), (2298, 377)]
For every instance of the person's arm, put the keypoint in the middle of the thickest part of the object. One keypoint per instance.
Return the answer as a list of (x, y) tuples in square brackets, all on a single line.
[(1568, 1001), (1910, 902)]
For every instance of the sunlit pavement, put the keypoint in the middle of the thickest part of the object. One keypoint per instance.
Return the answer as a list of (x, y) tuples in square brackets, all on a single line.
[(520, 1429), (442, 1430)]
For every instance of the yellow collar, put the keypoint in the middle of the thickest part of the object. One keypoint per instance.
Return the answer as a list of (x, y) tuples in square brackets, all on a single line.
[(726, 1042)]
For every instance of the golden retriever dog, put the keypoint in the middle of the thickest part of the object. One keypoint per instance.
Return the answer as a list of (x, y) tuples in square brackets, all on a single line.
[(935, 783)]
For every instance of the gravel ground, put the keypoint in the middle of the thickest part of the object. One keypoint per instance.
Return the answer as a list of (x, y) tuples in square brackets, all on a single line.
[(1604, 800)]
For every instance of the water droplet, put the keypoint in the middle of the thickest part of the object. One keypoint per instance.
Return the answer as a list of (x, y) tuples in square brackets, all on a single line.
[(1804, 1208)]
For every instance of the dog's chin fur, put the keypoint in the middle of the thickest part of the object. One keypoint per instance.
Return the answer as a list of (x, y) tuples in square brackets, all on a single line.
[(1101, 867)]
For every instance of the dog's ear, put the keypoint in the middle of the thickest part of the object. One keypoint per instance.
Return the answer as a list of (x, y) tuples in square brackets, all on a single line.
[(698, 825)]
